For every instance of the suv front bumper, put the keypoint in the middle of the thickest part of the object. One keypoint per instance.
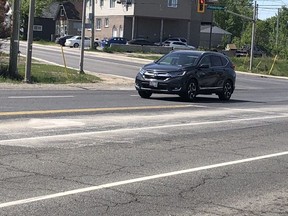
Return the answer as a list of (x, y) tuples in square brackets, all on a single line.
[(171, 85)]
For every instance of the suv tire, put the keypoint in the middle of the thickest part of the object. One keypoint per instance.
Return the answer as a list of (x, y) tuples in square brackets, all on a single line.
[(191, 91), (227, 91), (144, 94)]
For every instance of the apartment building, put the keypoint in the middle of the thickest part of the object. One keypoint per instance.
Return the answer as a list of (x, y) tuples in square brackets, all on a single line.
[(155, 20)]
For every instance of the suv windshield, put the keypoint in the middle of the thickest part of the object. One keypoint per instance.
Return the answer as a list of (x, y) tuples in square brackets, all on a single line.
[(179, 59)]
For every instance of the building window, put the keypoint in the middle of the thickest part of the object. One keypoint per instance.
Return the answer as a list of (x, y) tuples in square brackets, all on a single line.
[(106, 22), (98, 24), (65, 30), (120, 31), (37, 27), (62, 12), (112, 3), (101, 3), (114, 31), (172, 3)]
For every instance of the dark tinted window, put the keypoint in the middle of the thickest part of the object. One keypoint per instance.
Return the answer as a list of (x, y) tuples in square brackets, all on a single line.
[(183, 59), (206, 61), (179, 43), (216, 61), (224, 61)]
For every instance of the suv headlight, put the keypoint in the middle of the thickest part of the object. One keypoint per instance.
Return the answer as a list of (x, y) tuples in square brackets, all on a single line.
[(177, 73), (142, 71)]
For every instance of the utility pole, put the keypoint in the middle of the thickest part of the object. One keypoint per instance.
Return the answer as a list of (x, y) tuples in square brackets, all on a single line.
[(27, 78), (14, 41), (92, 25), (277, 30), (253, 35), (81, 71), (211, 30)]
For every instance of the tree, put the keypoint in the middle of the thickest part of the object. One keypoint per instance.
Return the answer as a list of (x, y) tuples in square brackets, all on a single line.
[(4, 31), (40, 5), (266, 33), (282, 48), (232, 23)]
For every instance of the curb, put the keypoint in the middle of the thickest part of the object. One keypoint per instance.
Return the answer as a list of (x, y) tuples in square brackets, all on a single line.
[(262, 75)]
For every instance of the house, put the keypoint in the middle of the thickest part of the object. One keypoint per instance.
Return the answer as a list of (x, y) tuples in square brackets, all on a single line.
[(155, 20), (68, 18), (218, 37), (44, 25), (56, 20)]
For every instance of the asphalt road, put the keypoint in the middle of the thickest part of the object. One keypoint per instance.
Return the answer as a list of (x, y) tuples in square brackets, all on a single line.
[(109, 152), (93, 61)]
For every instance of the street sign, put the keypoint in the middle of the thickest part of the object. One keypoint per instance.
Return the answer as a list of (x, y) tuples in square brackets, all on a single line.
[(212, 1), (216, 7)]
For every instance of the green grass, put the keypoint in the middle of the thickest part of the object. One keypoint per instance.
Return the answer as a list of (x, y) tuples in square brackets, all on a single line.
[(42, 42), (262, 65), (43, 73)]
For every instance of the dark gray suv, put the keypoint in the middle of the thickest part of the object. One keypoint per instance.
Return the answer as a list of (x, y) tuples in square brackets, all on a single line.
[(188, 73)]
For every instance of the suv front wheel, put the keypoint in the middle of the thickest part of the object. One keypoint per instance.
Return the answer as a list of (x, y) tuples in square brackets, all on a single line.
[(191, 91), (144, 94)]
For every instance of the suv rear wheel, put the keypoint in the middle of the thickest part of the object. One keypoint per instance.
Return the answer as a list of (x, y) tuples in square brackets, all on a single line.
[(227, 91)]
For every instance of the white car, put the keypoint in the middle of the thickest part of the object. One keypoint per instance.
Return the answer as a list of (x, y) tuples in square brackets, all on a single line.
[(179, 45), (75, 41), (178, 39)]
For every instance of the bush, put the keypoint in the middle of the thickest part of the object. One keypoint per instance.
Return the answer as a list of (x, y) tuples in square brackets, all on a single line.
[(112, 49)]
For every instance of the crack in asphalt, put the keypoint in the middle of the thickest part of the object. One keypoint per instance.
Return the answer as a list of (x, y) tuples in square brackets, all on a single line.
[(203, 181)]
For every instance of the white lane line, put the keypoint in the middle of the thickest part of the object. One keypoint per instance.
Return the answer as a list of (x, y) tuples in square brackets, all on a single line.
[(30, 97), (141, 179), (84, 134)]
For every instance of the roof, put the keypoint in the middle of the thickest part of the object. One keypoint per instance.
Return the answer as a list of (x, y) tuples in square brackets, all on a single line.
[(70, 11), (215, 30), (50, 11)]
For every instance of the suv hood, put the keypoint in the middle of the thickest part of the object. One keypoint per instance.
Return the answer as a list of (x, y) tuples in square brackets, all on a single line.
[(163, 68)]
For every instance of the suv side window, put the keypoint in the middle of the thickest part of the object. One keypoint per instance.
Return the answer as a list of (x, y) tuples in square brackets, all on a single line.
[(216, 61), (206, 61), (224, 61)]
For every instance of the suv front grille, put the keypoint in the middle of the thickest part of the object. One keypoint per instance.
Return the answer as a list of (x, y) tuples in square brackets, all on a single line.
[(156, 75)]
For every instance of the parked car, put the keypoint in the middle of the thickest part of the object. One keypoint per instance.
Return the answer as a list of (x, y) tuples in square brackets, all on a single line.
[(142, 42), (75, 41), (62, 40), (179, 45), (113, 40), (178, 39), (188, 73), (246, 51), (97, 42)]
